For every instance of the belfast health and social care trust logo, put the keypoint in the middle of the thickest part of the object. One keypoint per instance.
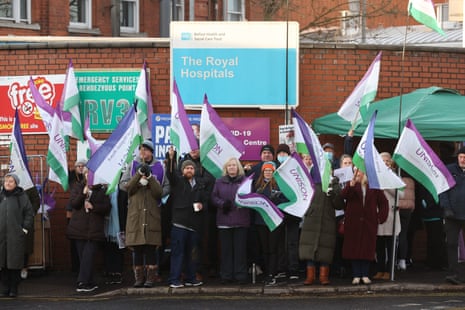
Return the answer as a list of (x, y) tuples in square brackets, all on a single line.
[(186, 36)]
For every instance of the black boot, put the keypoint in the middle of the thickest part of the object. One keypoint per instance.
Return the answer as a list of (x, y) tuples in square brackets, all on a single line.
[(5, 283), (15, 277)]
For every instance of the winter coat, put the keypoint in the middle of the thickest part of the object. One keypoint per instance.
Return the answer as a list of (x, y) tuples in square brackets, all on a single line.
[(361, 221), (88, 225), (454, 198), (385, 229), (143, 224), (225, 189), (132, 167), (34, 198), (318, 235), (16, 214), (407, 199)]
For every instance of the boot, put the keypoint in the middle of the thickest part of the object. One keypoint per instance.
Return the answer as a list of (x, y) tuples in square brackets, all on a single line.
[(324, 275), (310, 275), (152, 276), (378, 276), (139, 276)]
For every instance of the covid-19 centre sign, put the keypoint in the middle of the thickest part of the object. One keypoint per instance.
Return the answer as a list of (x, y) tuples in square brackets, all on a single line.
[(237, 64)]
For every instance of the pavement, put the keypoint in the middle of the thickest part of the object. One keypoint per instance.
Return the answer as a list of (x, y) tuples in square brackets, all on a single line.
[(62, 284)]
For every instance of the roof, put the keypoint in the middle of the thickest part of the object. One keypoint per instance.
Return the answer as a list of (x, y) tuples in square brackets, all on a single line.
[(416, 35)]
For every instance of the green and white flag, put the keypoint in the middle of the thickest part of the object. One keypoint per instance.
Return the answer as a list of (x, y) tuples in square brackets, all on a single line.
[(295, 183), (217, 143), (355, 106), (56, 156), (71, 103), (143, 96), (423, 12)]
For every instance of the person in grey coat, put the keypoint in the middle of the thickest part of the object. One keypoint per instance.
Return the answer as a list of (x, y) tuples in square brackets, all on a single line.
[(16, 220)]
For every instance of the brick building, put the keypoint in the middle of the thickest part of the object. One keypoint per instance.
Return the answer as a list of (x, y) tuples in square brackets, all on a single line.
[(150, 18), (328, 73)]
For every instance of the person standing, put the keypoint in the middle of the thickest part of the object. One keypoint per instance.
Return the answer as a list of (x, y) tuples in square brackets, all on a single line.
[(272, 242), (385, 236), (143, 224), (453, 204), (365, 208), (142, 181), (90, 205), (188, 198), (16, 220), (76, 176), (318, 237), (232, 223)]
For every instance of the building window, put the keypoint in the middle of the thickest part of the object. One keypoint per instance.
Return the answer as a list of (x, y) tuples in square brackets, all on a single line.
[(80, 13), (129, 16), (234, 10), (178, 13), (17, 11)]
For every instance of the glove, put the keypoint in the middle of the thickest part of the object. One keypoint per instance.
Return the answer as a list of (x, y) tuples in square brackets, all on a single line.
[(227, 205), (448, 213), (145, 170)]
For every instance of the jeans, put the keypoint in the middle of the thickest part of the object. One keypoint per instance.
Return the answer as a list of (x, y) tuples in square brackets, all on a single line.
[(184, 251), (360, 268)]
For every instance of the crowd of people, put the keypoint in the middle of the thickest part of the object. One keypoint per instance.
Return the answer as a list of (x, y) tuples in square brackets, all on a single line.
[(177, 208)]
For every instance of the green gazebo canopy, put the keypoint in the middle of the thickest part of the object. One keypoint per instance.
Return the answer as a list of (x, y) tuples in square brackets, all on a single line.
[(438, 113)]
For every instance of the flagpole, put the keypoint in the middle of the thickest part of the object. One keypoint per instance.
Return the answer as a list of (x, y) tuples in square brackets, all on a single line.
[(286, 113), (394, 241)]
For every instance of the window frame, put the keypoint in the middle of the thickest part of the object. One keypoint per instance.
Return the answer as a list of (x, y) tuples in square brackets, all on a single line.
[(178, 10), (88, 16), (16, 12), (136, 17), (228, 13)]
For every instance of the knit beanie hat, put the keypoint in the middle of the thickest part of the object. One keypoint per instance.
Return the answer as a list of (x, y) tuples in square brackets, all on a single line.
[(14, 176), (269, 165), (283, 148), (186, 163), (267, 147)]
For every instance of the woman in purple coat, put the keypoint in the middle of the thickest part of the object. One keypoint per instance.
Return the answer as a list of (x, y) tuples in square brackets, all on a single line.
[(232, 223), (365, 209)]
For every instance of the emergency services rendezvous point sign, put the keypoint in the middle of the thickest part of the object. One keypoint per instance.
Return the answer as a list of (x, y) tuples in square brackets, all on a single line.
[(237, 64)]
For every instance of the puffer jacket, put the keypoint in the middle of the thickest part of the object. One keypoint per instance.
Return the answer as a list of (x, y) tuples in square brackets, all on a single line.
[(88, 225)]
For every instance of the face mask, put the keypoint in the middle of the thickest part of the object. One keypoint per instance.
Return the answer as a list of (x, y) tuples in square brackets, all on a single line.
[(282, 159), (329, 155), (143, 182)]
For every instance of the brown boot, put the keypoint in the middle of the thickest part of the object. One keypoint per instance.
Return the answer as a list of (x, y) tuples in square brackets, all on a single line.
[(139, 276), (310, 275), (324, 275), (152, 276), (378, 276)]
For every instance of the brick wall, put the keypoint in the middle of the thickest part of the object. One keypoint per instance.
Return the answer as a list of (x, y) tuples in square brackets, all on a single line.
[(327, 76)]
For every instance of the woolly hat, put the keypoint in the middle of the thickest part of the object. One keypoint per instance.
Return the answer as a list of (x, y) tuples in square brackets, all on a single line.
[(269, 165), (148, 144), (80, 161), (186, 163), (283, 148), (14, 176), (461, 150), (267, 147)]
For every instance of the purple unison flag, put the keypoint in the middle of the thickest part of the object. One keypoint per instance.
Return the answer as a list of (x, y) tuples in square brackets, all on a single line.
[(46, 111), (181, 133)]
